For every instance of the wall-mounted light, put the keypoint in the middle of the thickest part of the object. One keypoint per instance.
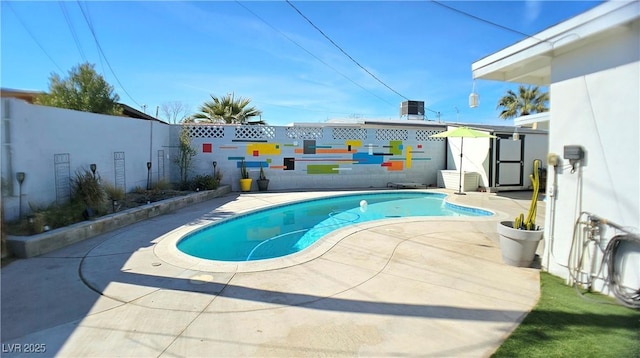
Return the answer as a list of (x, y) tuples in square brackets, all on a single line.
[(20, 178), (516, 135), (93, 168), (148, 175), (215, 164)]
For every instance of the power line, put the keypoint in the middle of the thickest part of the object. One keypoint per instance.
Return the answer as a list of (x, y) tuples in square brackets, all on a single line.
[(311, 54), (480, 19), (90, 23), (343, 51), (8, 3), (72, 29), (103, 55)]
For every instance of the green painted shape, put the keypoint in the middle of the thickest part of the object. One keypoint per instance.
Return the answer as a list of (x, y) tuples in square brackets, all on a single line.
[(322, 169), (396, 147)]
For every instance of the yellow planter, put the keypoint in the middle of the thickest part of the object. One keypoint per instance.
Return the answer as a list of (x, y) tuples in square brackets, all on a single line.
[(245, 184)]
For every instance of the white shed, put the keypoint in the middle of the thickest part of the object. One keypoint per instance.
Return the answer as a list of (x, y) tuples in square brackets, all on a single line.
[(496, 164)]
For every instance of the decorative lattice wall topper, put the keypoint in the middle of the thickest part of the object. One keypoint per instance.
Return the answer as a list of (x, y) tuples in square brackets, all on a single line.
[(392, 134), (349, 133), (205, 131), (425, 135), (304, 132), (255, 132)]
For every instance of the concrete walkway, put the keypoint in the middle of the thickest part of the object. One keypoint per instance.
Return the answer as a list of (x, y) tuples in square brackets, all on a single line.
[(399, 287)]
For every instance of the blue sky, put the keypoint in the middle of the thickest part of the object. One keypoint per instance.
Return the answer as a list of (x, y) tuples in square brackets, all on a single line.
[(159, 52)]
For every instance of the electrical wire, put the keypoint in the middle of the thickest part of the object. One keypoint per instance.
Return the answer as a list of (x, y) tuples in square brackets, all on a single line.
[(482, 20), (343, 51), (72, 29), (311, 54), (8, 3), (103, 55)]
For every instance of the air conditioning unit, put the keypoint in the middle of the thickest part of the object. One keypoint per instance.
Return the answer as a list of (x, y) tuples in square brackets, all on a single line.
[(412, 108)]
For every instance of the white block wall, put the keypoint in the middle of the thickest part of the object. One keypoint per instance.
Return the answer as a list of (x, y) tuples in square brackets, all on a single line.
[(33, 135), (313, 157), (377, 155)]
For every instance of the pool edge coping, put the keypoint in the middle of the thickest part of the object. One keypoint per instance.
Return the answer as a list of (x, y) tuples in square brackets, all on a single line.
[(165, 247)]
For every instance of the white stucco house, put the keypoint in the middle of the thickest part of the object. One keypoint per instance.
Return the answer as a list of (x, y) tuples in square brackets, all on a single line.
[(591, 64)]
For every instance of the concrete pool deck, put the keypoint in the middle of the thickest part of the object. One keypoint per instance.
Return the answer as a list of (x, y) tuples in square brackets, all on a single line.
[(399, 287)]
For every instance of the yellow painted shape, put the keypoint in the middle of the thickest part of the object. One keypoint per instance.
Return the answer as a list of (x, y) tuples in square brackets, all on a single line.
[(408, 160), (264, 148), (354, 143)]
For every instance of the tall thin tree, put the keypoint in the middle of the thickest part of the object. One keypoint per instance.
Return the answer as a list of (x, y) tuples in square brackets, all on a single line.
[(175, 111)]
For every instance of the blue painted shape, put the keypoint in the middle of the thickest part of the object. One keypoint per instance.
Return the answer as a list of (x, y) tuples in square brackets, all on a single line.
[(365, 158), (254, 164)]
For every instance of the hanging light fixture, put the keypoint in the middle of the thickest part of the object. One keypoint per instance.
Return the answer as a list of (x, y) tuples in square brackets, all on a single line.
[(473, 97)]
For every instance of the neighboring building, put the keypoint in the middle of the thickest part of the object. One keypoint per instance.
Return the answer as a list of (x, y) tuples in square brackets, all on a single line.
[(30, 96), (592, 65)]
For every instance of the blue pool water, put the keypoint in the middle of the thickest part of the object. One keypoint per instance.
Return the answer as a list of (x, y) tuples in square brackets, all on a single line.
[(286, 229)]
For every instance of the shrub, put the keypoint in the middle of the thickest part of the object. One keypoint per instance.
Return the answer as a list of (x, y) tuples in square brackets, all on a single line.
[(87, 189), (139, 190), (162, 185), (203, 182), (113, 192)]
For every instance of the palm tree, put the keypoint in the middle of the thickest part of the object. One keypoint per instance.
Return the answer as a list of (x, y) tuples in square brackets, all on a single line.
[(227, 109), (528, 100)]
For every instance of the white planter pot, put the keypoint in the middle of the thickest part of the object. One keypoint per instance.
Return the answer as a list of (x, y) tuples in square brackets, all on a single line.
[(518, 246)]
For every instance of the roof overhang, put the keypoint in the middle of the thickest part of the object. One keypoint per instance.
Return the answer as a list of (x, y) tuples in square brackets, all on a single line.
[(532, 118), (529, 61)]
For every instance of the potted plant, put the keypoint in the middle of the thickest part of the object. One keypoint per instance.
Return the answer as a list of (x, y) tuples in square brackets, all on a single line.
[(245, 181), (519, 238), (263, 182)]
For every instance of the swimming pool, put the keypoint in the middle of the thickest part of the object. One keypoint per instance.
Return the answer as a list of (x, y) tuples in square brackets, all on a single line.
[(286, 229)]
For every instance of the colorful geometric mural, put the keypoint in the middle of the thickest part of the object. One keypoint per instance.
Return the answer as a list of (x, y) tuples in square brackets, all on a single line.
[(337, 156)]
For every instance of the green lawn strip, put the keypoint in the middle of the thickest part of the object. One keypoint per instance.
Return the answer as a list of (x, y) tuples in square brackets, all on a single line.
[(563, 324)]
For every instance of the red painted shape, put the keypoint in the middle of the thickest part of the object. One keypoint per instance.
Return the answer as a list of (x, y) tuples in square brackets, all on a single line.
[(256, 153), (207, 148)]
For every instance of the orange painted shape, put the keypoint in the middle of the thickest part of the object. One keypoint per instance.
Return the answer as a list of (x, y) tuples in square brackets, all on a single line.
[(393, 165)]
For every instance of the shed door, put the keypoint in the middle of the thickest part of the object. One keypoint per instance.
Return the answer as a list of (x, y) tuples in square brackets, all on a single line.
[(509, 160)]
